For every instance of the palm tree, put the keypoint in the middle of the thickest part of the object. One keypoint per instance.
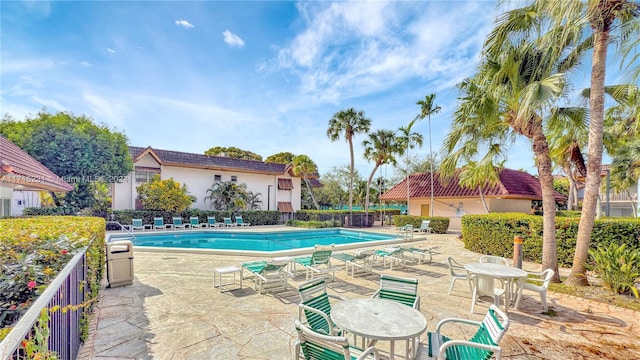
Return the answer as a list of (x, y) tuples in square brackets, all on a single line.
[(408, 140), (303, 165), (381, 148), (590, 24), (427, 109), (253, 200), (348, 123), (506, 98), (227, 195), (474, 175)]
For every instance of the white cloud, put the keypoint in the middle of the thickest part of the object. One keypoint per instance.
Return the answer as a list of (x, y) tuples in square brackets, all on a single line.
[(111, 51), (232, 39), (86, 64), (184, 23)]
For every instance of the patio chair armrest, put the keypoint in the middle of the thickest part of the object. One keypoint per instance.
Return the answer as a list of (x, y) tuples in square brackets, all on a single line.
[(456, 320), (376, 294), (497, 350), (303, 307)]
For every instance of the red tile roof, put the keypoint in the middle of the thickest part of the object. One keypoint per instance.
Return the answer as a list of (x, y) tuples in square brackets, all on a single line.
[(22, 172), (512, 185), (177, 158)]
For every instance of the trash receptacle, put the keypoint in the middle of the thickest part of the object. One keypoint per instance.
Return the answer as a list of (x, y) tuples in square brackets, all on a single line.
[(120, 263)]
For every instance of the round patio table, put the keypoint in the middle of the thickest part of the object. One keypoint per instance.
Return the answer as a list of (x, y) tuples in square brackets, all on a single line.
[(509, 274), (380, 319)]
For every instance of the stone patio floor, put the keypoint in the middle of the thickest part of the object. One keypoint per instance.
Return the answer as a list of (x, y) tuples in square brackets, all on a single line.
[(172, 311)]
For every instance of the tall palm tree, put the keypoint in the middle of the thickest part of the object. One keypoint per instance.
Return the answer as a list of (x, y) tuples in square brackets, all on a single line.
[(428, 108), (381, 147), (348, 123), (588, 25), (408, 140), (227, 195), (507, 98), (303, 165)]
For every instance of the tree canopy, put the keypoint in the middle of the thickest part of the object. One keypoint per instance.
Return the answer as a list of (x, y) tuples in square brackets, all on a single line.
[(281, 158), (166, 195), (233, 152)]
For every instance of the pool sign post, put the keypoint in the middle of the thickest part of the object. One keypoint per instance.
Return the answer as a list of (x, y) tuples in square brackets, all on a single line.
[(517, 251)]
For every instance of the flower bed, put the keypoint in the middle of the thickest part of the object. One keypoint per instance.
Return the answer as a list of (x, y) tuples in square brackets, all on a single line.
[(34, 250)]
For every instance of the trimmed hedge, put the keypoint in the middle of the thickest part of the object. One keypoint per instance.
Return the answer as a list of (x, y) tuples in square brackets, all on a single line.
[(493, 234), (254, 217), (439, 224)]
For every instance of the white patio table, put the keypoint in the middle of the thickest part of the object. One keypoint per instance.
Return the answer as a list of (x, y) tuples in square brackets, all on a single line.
[(511, 275), (380, 319)]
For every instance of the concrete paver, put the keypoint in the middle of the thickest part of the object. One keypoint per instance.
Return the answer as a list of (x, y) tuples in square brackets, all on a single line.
[(172, 311)]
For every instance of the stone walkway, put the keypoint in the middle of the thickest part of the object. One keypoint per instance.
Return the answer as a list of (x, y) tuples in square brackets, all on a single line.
[(172, 311)]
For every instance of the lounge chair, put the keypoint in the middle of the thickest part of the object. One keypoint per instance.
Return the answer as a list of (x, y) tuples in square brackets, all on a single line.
[(137, 224), (158, 223), (494, 260), (361, 262), (194, 222), (457, 272), (420, 254), (269, 274), (483, 345), (240, 222), (177, 223), (319, 262), (316, 346), (395, 255), (211, 222), (538, 282), (424, 227), (315, 307), (228, 222), (405, 231), (399, 289)]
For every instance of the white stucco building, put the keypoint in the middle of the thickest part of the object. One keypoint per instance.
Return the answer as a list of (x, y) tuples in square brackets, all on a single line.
[(279, 189)]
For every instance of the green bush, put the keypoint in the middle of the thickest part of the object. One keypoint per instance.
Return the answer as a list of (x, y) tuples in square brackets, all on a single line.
[(314, 224), (254, 217), (439, 224), (617, 267), (568, 213), (493, 234)]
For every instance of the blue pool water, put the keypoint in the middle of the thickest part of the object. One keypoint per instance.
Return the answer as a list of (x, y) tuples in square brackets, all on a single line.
[(252, 241)]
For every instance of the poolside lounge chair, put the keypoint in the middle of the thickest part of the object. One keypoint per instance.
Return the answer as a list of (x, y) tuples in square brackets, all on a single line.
[(362, 262), (395, 255), (211, 222), (424, 227), (158, 223), (319, 262), (315, 346), (405, 231), (177, 223), (483, 345), (228, 222), (269, 274), (194, 222), (420, 254), (457, 272), (315, 307), (136, 224), (538, 282), (399, 289), (494, 260), (240, 222)]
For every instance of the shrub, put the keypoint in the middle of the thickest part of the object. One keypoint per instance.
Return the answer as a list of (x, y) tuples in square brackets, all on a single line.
[(439, 224), (314, 224), (617, 267)]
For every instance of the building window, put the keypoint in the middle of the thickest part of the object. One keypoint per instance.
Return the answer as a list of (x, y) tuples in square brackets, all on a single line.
[(145, 176), (234, 178), (217, 178)]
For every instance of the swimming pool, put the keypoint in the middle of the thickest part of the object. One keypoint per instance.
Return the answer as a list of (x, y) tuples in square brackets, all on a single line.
[(252, 241)]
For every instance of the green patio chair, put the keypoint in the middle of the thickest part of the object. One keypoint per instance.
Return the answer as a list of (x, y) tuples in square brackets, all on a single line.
[(269, 274), (362, 262), (211, 222), (315, 307), (194, 222), (178, 224), (315, 346), (484, 344), (240, 222), (158, 223), (399, 289), (227, 222), (137, 224), (318, 263), (395, 255)]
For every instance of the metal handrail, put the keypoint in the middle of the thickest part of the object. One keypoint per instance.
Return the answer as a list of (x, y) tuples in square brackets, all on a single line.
[(122, 228)]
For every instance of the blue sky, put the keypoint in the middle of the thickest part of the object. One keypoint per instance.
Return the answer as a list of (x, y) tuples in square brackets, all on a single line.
[(263, 76)]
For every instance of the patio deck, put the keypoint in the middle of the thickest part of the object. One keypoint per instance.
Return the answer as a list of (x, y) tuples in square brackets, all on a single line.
[(172, 311)]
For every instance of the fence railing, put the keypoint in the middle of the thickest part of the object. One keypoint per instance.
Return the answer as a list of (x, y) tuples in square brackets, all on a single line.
[(64, 299)]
